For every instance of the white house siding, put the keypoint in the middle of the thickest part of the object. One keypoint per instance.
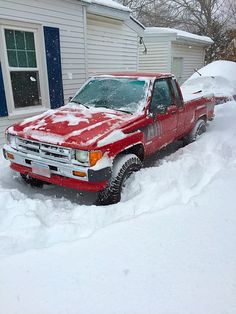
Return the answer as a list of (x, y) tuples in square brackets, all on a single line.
[(193, 57), (158, 56), (68, 17), (111, 46), (4, 123)]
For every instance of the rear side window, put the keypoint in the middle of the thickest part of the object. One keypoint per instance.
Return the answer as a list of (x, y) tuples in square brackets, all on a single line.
[(162, 97), (178, 97)]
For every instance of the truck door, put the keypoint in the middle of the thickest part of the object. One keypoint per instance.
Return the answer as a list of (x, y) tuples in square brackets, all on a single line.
[(164, 111)]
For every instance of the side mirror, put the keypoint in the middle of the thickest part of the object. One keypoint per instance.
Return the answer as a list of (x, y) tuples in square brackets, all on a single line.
[(161, 109), (157, 109), (153, 111)]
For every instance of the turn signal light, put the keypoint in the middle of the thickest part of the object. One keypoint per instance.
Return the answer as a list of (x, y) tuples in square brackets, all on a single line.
[(10, 156), (79, 174), (94, 156)]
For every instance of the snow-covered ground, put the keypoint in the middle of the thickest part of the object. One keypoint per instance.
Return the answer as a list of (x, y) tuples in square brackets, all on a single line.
[(169, 247)]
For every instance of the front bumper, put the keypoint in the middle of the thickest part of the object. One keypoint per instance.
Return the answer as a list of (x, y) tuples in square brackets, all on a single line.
[(60, 173)]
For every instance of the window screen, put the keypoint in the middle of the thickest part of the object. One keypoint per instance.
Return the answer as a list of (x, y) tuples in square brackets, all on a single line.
[(25, 86)]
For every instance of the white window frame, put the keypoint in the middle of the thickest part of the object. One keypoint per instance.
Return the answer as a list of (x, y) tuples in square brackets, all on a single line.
[(41, 67)]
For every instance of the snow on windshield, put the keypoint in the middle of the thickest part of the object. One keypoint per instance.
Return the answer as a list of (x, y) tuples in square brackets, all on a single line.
[(124, 94)]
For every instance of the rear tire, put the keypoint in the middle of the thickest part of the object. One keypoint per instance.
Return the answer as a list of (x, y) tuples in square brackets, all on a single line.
[(32, 181), (199, 129), (123, 167)]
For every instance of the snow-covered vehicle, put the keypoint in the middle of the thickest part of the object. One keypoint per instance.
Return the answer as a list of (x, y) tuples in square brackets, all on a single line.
[(105, 132), (217, 78)]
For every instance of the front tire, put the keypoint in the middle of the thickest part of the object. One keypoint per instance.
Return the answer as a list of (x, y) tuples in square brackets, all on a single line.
[(123, 167)]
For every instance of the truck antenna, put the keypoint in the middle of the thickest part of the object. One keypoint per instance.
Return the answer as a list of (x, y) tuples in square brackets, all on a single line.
[(197, 72)]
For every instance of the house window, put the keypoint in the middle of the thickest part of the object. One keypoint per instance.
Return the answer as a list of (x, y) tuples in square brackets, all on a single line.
[(24, 70), (24, 73)]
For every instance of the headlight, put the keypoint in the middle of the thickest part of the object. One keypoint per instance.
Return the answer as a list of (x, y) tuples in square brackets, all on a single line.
[(89, 158), (11, 140), (82, 156)]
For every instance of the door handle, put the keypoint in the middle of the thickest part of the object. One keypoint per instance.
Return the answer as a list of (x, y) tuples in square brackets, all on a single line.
[(173, 112)]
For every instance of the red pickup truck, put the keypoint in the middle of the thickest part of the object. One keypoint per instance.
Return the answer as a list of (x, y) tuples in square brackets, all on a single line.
[(105, 132)]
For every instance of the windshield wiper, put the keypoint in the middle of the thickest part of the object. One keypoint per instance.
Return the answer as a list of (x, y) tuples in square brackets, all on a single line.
[(126, 111), (79, 103), (104, 106)]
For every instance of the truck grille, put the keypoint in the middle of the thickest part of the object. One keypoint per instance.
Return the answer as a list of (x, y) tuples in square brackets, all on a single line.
[(43, 150)]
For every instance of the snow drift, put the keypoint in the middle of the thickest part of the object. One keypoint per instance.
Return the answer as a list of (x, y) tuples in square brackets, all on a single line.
[(217, 78), (33, 218)]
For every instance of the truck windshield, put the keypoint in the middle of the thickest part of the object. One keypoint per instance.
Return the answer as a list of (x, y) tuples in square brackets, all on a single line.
[(124, 94)]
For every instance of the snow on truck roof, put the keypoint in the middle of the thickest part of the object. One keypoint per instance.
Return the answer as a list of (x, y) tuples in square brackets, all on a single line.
[(138, 74), (179, 34)]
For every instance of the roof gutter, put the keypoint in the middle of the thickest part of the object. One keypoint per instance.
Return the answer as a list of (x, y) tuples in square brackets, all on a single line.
[(202, 42)]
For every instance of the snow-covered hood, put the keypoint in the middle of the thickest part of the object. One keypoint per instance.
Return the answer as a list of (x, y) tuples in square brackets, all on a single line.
[(74, 126)]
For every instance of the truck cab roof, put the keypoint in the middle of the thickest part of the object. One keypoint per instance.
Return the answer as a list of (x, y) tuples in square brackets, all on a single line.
[(139, 74)]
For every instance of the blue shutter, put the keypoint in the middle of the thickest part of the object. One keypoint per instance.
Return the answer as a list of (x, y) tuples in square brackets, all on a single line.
[(53, 56), (3, 103)]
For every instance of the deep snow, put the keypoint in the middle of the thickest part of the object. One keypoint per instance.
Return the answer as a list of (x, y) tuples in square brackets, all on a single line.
[(217, 78), (177, 257)]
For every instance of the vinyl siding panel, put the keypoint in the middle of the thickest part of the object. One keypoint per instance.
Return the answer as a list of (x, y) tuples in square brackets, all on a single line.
[(111, 46), (160, 53), (193, 58), (4, 124), (67, 15), (157, 58)]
